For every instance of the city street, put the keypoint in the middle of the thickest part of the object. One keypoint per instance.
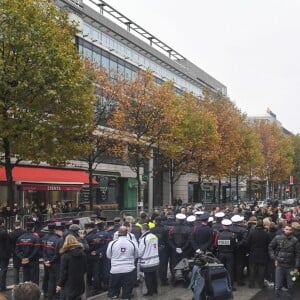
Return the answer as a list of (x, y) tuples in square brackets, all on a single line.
[(179, 292)]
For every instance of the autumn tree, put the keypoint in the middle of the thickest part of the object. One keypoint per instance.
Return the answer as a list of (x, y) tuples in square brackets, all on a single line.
[(296, 162), (192, 139), (142, 115), (277, 150), (46, 98), (103, 140)]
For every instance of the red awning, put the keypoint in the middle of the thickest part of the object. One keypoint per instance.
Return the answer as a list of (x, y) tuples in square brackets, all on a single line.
[(51, 179)]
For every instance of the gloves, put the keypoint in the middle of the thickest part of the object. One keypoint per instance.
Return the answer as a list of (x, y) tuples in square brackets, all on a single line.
[(198, 251), (178, 250)]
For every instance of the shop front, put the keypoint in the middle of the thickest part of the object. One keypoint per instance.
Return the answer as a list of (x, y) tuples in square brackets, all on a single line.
[(37, 185)]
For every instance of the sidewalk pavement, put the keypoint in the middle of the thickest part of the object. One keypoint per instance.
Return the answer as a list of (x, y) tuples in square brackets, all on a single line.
[(178, 293)]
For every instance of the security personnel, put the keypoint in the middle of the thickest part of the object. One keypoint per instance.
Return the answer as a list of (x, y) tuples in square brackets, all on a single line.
[(161, 233), (93, 255), (50, 243), (149, 259), (226, 243), (27, 249), (218, 227), (13, 236), (240, 250), (122, 252), (202, 235), (179, 242)]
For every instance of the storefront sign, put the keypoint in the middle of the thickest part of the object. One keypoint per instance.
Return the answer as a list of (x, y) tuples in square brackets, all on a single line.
[(45, 187)]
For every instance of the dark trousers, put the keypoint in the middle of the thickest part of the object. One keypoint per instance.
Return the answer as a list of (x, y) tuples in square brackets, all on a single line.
[(163, 265), (257, 272), (50, 280), (282, 274), (16, 269), (93, 273), (31, 272), (121, 280), (239, 268), (227, 259), (3, 271), (151, 281)]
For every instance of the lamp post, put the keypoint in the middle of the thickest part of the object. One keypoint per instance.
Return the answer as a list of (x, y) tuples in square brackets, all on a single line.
[(237, 184)]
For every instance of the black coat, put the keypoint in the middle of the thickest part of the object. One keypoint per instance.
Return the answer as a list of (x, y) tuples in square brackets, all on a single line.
[(258, 242), (5, 248), (72, 270)]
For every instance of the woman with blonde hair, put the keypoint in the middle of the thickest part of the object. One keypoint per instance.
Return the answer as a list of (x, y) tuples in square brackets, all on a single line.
[(72, 269)]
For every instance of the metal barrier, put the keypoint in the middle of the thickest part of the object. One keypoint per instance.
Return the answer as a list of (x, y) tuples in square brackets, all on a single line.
[(110, 214)]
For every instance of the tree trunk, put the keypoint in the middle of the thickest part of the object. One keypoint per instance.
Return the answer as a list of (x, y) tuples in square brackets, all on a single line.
[(171, 181), (199, 196), (8, 171), (219, 191)]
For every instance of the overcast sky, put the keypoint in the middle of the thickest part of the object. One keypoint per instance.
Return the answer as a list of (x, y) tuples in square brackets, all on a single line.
[(251, 46)]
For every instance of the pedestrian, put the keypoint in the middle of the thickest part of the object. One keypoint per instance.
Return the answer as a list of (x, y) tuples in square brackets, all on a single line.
[(257, 242), (13, 237), (27, 250), (284, 249), (149, 259), (72, 269), (26, 290), (5, 253), (122, 252)]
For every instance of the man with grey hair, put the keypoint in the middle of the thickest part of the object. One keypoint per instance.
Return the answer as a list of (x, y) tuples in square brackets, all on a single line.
[(26, 290)]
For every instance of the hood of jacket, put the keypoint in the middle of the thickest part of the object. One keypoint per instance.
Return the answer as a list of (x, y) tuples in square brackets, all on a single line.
[(74, 250)]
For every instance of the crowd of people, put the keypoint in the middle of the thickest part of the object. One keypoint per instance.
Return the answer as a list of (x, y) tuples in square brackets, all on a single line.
[(261, 243)]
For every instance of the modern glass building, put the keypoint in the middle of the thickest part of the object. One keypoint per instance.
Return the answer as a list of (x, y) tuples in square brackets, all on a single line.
[(110, 39)]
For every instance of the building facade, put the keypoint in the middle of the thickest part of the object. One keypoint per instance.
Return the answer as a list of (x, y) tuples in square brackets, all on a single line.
[(110, 39)]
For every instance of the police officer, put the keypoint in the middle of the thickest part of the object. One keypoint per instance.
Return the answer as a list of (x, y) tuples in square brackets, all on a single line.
[(161, 232), (27, 249), (50, 243), (179, 242), (13, 236), (122, 252), (226, 243), (202, 235), (240, 251), (94, 254)]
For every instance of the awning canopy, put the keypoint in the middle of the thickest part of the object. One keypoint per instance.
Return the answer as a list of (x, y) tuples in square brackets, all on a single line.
[(51, 179)]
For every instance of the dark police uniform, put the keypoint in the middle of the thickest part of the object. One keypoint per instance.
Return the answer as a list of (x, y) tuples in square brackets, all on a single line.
[(226, 243), (50, 254), (27, 249)]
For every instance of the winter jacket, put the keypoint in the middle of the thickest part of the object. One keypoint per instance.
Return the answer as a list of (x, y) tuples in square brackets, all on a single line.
[(28, 246), (122, 253), (285, 250), (148, 250), (258, 242), (50, 244), (5, 246), (72, 270), (13, 237)]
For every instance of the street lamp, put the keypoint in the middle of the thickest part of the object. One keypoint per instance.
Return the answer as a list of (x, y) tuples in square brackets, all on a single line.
[(237, 184)]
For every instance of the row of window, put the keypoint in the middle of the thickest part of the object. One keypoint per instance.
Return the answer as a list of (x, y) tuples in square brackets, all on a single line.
[(100, 38), (110, 62)]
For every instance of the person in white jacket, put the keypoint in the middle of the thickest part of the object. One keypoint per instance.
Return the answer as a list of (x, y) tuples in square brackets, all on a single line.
[(149, 259), (122, 252)]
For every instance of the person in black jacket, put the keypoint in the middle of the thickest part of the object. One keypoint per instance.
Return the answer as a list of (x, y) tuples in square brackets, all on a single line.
[(13, 237), (72, 269), (5, 253), (257, 242), (27, 250), (285, 250)]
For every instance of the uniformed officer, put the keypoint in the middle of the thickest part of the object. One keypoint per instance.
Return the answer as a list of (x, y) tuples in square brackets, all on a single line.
[(122, 252), (162, 234), (202, 235), (240, 251), (13, 236), (93, 254), (50, 255), (27, 249), (179, 242), (226, 243)]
